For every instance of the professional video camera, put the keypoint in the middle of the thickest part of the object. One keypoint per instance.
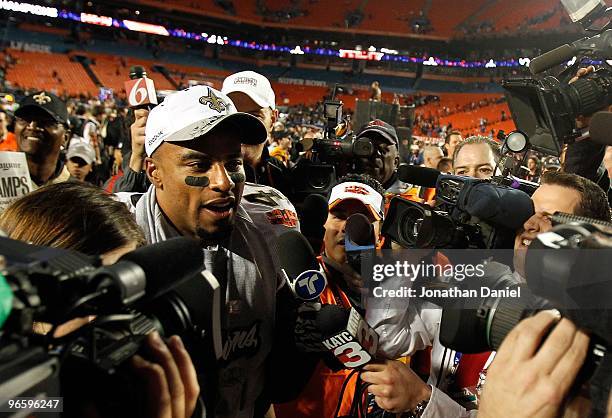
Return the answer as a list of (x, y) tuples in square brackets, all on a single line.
[(130, 299), (469, 213), (565, 270), (332, 156), (546, 109)]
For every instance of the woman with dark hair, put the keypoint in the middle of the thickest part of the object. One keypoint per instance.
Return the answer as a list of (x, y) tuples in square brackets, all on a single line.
[(81, 217), (74, 216)]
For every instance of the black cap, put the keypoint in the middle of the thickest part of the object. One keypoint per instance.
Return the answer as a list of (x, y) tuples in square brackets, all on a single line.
[(381, 128), (45, 101)]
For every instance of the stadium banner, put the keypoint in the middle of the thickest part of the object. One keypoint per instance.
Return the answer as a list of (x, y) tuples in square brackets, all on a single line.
[(30, 47), (14, 177), (301, 82)]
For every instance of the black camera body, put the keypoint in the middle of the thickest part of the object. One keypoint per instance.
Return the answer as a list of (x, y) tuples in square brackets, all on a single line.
[(546, 110), (130, 299), (469, 213), (562, 273), (331, 157)]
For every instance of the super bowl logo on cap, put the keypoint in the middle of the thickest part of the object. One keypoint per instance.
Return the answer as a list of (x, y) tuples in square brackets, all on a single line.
[(246, 80), (357, 190), (214, 102), (309, 285), (41, 98), (377, 122)]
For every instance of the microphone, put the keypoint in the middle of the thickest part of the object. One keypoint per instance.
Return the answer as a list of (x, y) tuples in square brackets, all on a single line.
[(502, 206), (314, 215), (359, 236), (600, 128), (420, 176), (594, 46), (165, 265), (140, 89), (298, 263), (552, 58), (347, 335)]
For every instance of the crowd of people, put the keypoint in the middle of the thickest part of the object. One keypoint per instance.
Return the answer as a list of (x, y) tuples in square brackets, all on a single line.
[(217, 166)]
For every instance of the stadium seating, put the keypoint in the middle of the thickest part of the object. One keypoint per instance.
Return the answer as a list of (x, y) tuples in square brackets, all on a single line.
[(36, 70), (391, 16)]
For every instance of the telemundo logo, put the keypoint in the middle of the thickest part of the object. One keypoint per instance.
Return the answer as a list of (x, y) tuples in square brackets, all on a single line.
[(309, 284)]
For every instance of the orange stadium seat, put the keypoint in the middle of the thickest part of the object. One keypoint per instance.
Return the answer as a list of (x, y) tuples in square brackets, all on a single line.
[(391, 15), (35, 70)]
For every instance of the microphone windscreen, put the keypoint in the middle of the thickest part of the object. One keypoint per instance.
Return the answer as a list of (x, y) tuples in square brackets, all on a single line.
[(314, 211), (421, 176), (600, 128), (168, 262), (360, 230), (332, 319), (296, 255), (501, 206)]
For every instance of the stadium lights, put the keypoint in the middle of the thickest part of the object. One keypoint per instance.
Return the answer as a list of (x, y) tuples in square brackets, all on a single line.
[(389, 51), (358, 53), (96, 20), (146, 28), (34, 9)]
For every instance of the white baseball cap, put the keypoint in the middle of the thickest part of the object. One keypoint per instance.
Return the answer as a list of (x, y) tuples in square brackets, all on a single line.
[(372, 200), (196, 111), (82, 150), (254, 85)]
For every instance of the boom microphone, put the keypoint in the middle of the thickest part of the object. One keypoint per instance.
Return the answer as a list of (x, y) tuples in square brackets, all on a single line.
[(552, 58), (347, 335), (596, 46), (420, 176), (299, 264), (140, 89)]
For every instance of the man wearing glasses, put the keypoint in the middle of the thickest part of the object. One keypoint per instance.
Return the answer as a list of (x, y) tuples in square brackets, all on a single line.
[(41, 130)]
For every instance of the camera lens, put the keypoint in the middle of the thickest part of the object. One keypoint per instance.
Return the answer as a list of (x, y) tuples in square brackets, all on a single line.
[(319, 180), (409, 225)]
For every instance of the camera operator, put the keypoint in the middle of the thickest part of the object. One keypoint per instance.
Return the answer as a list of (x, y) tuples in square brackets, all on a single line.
[(477, 157), (533, 372), (194, 162), (102, 227), (558, 192), (383, 163), (354, 194), (41, 129)]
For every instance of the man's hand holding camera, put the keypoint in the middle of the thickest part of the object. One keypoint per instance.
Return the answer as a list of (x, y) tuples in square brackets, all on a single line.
[(532, 372)]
